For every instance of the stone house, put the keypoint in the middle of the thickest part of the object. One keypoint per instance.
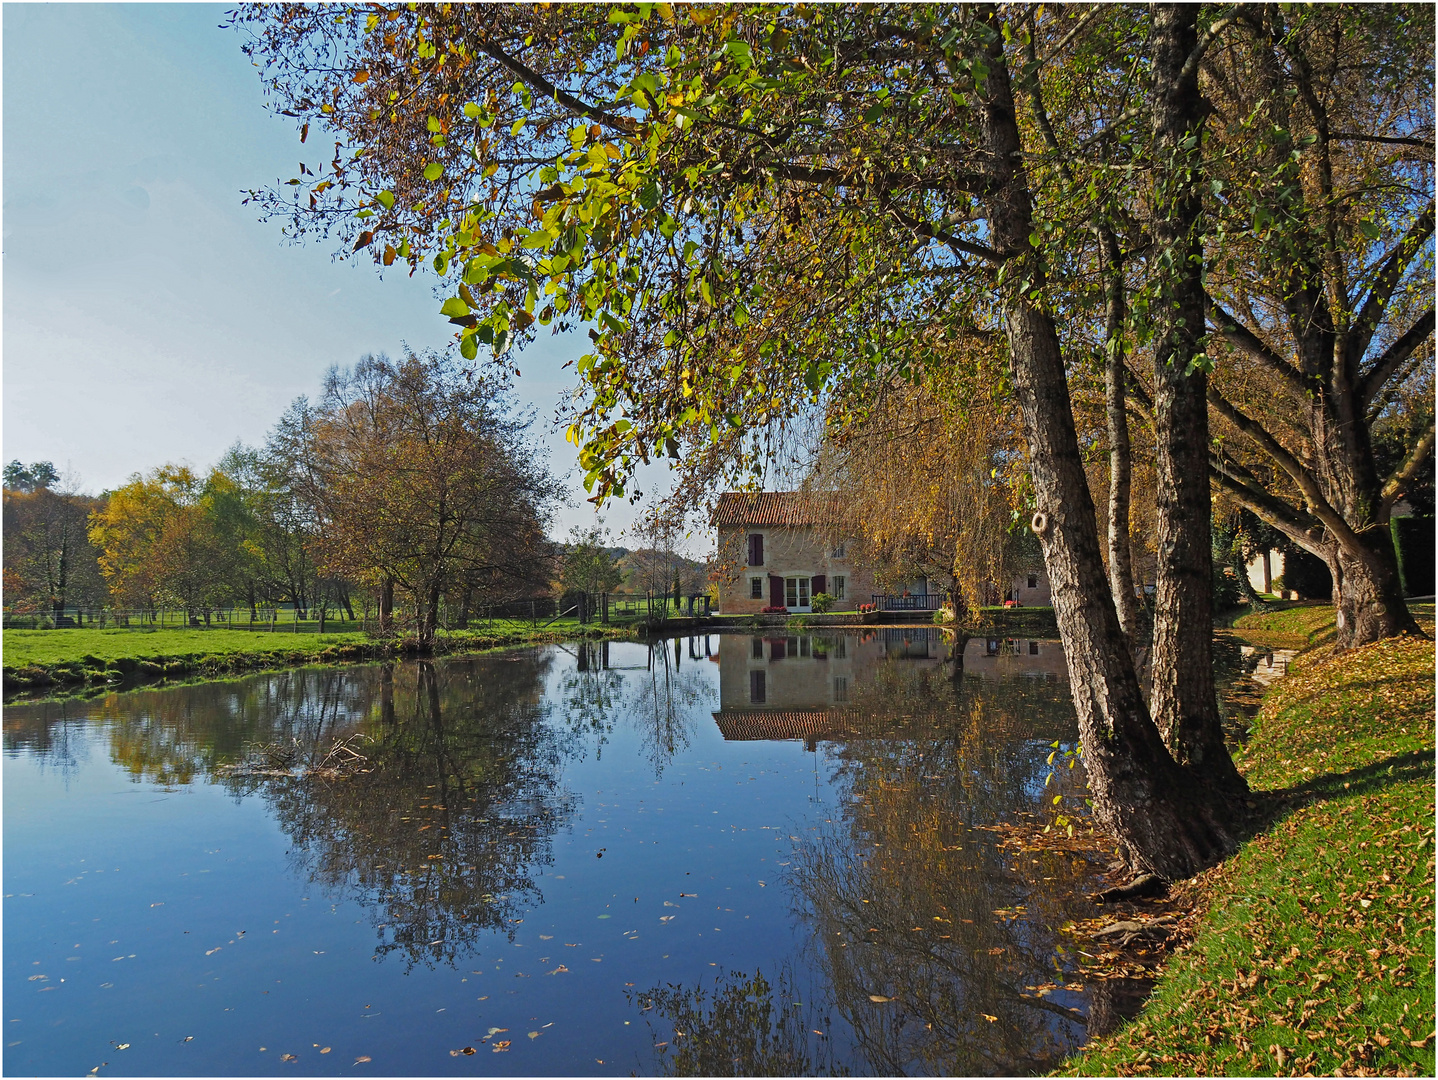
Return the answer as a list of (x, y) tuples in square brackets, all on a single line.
[(775, 552)]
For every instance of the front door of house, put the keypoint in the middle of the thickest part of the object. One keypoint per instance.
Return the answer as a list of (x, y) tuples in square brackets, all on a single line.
[(796, 593)]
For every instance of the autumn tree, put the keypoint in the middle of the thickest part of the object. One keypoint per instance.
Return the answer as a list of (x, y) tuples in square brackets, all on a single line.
[(752, 207), (1320, 300), (160, 541), (49, 560), (588, 564), (418, 473)]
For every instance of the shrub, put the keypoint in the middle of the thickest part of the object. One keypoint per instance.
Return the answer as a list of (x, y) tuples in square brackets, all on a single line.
[(822, 602), (774, 609)]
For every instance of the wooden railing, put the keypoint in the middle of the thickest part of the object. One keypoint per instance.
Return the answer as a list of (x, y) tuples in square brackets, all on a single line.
[(916, 602)]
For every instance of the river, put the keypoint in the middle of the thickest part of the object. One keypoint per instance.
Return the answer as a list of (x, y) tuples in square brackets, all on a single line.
[(781, 854)]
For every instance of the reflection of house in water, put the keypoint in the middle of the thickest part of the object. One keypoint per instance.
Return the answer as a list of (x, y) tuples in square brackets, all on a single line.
[(800, 686)]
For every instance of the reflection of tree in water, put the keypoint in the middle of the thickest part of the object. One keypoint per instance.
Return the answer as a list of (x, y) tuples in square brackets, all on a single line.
[(909, 897), (744, 1026), (661, 701), (442, 831), (175, 735)]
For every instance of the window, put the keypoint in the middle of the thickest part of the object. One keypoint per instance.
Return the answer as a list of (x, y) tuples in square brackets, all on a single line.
[(1033, 581), (837, 587), (756, 649), (1033, 648), (756, 588), (796, 592), (840, 650), (841, 688), (838, 552), (756, 549), (756, 687)]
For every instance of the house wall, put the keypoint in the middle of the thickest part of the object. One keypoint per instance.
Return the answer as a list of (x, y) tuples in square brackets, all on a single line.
[(1036, 595), (789, 551)]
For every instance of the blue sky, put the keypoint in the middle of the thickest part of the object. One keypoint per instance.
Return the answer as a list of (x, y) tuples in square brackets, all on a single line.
[(148, 316)]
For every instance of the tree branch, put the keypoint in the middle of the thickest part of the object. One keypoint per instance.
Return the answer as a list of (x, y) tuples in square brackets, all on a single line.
[(536, 81), (1242, 485), (1317, 504), (1387, 140), (1388, 364), (1364, 327), (1207, 38), (1398, 482), (1241, 337)]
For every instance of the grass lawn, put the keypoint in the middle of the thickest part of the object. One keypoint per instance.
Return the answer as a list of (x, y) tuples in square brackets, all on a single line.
[(1315, 952), (36, 659)]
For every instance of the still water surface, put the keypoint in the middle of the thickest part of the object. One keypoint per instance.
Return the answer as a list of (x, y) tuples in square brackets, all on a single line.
[(767, 854)]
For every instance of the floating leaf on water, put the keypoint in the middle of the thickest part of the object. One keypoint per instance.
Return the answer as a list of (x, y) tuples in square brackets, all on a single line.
[(494, 1031), (602, 916), (534, 1034), (362, 1059), (288, 1057), (325, 1049), (500, 1047), (990, 1019), (546, 937), (880, 998)]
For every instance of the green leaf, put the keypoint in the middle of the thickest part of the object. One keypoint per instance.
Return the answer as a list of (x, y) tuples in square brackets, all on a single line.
[(454, 306), (433, 171), (385, 199)]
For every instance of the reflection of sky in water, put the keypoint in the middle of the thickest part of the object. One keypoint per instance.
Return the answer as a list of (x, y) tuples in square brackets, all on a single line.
[(560, 844)]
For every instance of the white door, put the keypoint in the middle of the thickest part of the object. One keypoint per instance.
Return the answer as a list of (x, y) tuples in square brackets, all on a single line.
[(796, 594)]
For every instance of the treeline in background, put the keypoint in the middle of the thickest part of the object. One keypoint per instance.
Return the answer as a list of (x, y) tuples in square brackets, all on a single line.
[(409, 496)]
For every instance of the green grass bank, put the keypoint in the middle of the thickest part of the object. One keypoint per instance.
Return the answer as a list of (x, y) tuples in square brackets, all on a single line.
[(1314, 951), (79, 660)]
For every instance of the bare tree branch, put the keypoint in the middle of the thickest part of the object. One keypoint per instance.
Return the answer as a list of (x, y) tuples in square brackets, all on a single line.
[(1397, 483), (1387, 280), (1241, 337), (1396, 355)]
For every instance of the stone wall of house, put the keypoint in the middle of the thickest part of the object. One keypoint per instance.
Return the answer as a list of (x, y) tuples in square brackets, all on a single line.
[(789, 551), (1032, 590)]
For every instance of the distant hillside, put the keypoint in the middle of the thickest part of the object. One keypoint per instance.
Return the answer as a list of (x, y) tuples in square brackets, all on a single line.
[(646, 569)]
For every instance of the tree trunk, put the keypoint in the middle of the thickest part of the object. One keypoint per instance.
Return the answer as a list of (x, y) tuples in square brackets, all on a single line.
[(1167, 822), (1120, 459), (429, 619), (1368, 592), (1184, 701), (386, 606)]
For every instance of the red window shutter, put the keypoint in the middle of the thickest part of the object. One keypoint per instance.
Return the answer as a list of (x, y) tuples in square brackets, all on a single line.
[(776, 591), (817, 585), (756, 549)]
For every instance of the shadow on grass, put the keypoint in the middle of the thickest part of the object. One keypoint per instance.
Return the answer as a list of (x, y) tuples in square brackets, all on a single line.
[(1277, 804)]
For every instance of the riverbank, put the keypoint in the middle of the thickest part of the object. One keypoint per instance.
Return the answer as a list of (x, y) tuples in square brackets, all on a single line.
[(91, 661), (1313, 946)]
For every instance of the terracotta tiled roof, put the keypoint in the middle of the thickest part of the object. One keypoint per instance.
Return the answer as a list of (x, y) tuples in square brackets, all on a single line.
[(743, 724), (763, 508)]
